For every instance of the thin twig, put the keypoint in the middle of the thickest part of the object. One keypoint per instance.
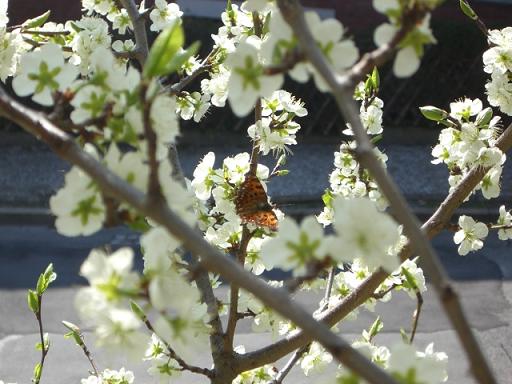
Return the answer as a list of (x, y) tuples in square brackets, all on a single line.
[(343, 93), (203, 67), (290, 364), (330, 283), (44, 346), (416, 315), (172, 354), (45, 33), (77, 332)]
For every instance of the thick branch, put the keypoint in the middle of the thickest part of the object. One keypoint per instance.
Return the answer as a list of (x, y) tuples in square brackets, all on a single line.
[(293, 14), (192, 240)]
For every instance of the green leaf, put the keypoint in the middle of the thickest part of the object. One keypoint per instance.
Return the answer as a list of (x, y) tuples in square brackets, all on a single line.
[(375, 139), (282, 172), (75, 27), (139, 312), (484, 117), (45, 279), (411, 281), (33, 301), (467, 10), (164, 49), (36, 22), (327, 198), (37, 372), (433, 113), (72, 327), (375, 78), (375, 328), (405, 336)]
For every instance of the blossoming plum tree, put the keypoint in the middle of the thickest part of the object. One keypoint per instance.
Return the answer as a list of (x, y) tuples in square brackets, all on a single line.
[(115, 106)]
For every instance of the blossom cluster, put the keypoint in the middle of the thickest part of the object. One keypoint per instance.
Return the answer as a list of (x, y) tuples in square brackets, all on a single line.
[(109, 376), (469, 141), (404, 362), (215, 190), (498, 63)]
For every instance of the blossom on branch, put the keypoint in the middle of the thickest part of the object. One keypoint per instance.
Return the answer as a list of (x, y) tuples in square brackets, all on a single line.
[(364, 232), (470, 236), (248, 82), (42, 73)]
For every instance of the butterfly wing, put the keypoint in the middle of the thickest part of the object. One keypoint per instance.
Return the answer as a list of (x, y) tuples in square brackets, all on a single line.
[(252, 205), (263, 219)]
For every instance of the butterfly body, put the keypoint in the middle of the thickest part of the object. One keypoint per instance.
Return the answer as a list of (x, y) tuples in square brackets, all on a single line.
[(252, 204)]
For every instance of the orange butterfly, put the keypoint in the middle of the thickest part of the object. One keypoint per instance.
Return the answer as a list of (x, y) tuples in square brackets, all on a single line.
[(252, 205)]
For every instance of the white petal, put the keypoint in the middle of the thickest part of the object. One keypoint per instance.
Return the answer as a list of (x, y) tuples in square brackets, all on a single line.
[(406, 62), (383, 34)]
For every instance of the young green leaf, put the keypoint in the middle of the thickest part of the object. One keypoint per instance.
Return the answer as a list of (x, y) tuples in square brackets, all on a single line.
[(37, 372), (36, 22), (433, 113), (375, 328), (33, 302), (484, 117), (375, 78), (45, 279), (411, 281), (467, 10), (165, 47), (405, 336), (137, 310), (282, 172)]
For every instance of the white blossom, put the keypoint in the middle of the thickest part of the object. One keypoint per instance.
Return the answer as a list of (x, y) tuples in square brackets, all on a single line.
[(295, 246), (164, 15), (10, 49), (363, 231), (427, 367), (202, 182), (470, 236), (247, 81), (315, 360), (43, 72), (78, 205), (94, 33), (504, 220)]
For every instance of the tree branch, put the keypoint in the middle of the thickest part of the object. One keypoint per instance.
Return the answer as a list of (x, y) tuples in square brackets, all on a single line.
[(384, 53), (293, 14), (139, 30), (211, 258), (154, 189), (416, 315)]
